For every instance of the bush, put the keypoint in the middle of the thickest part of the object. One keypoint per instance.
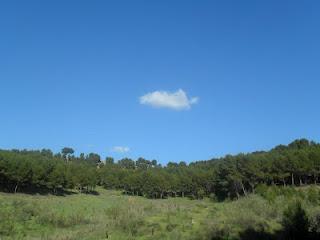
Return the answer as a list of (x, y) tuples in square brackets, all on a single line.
[(295, 222), (268, 193), (170, 227), (315, 223), (313, 195), (213, 197)]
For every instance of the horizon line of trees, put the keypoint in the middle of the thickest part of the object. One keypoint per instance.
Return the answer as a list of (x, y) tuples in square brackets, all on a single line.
[(232, 176)]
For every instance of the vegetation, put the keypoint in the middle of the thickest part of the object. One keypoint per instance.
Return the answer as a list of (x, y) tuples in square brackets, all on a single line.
[(261, 195), (230, 177), (38, 171), (112, 215)]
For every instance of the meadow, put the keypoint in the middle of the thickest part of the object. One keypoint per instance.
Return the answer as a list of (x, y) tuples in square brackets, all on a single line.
[(112, 215)]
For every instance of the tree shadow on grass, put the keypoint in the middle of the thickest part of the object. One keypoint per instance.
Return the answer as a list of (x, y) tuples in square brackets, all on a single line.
[(295, 226), (46, 191), (261, 234), (93, 192)]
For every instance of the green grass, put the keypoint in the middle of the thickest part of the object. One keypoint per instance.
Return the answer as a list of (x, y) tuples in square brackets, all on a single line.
[(111, 215), (82, 216)]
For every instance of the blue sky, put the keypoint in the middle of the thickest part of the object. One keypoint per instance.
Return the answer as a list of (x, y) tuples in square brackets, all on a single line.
[(166, 80)]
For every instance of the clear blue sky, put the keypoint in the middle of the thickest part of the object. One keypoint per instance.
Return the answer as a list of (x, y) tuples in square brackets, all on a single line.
[(72, 73)]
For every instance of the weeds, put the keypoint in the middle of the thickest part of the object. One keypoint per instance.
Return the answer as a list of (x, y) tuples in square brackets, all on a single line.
[(113, 216)]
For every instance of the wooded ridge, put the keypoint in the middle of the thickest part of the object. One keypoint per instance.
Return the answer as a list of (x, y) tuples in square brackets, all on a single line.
[(228, 177)]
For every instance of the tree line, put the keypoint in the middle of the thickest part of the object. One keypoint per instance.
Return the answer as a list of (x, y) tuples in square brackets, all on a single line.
[(232, 176), (36, 171)]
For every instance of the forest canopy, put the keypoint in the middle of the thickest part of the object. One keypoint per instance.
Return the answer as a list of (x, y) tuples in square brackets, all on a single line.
[(232, 176)]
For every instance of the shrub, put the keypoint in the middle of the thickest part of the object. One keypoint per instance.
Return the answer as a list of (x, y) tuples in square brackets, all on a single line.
[(315, 223), (171, 226), (295, 222), (313, 195), (213, 197), (268, 193)]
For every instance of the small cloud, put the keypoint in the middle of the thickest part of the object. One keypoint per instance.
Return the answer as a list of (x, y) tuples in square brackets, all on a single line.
[(120, 149), (174, 100)]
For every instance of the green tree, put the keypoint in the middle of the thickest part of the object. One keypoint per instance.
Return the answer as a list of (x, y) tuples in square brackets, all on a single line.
[(67, 152)]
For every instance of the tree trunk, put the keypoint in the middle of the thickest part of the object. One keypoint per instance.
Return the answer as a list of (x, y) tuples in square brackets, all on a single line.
[(292, 179), (300, 180), (16, 188), (243, 189), (238, 196), (284, 182), (252, 187)]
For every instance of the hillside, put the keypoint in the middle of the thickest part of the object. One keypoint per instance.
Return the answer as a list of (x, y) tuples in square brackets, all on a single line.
[(112, 215), (229, 177), (267, 195)]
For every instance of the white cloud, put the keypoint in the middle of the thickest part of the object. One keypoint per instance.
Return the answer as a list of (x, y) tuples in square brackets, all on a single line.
[(120, 149), (174, 100)]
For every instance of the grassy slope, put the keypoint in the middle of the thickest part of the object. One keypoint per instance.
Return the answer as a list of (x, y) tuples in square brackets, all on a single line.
[(81, 216), (112, 215)]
